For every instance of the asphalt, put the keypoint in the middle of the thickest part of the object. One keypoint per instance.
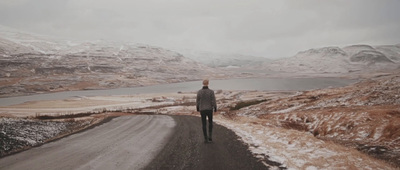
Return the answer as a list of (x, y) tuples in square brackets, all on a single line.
[(126, 142), (140, 142), (186, 149)]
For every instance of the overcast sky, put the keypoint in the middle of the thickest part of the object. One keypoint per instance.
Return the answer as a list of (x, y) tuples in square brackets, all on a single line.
[(267, 28)]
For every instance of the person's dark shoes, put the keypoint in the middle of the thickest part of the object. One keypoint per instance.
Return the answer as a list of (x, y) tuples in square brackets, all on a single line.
[(205, 140), (210, 139)]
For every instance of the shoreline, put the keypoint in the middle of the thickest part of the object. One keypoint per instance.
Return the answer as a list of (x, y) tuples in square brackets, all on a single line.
[(351, 76), (271, 84), (306, 115), (244, 122)]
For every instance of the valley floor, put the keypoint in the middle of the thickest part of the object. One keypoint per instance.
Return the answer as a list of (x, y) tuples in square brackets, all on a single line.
[(353, 127)]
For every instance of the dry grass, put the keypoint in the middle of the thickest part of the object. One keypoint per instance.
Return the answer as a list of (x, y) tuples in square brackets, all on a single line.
[(64, 116), (243, 104), (395, 113), (392, 130), (71, 103)]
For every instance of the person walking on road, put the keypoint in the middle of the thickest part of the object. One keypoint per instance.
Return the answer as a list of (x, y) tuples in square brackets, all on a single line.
[(206, 104)]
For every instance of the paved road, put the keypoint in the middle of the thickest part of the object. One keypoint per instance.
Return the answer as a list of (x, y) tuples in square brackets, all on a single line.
[(127, 142), (186, 149), (140, 142)]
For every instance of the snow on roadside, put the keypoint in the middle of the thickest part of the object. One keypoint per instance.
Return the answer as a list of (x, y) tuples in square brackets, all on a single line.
[(295, 149), (17, 133)]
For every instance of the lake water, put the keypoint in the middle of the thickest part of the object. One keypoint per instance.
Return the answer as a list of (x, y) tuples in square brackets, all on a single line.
[(261, 84)]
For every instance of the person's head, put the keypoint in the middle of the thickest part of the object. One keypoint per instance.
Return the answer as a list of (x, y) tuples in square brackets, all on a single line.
[(205, 82)]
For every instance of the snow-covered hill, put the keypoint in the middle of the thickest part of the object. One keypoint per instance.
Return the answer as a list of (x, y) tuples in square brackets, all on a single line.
[(390, 51), (366, 54), (215, 60), (34, 63), (340, 60)]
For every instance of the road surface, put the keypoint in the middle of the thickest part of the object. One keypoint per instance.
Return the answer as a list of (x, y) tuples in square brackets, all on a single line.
[(140, 142)]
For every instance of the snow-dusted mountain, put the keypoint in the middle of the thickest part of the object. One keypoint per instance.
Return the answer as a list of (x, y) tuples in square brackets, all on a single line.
[(340, 60), (33, 63), (390, 51), (366, 54), (215, 60)]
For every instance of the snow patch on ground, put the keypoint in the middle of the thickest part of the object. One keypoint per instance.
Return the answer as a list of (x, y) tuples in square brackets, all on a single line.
[(17, 133), (297, 150)]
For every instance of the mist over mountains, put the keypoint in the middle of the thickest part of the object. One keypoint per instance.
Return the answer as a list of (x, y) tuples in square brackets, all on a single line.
[(32, 63), (223, 60), (348, 59)]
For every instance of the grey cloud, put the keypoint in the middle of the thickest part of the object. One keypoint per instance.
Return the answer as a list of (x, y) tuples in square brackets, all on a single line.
[(274, 28)]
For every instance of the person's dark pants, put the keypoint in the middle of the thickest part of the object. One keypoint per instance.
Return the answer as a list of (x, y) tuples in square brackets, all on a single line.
[(209, 114)]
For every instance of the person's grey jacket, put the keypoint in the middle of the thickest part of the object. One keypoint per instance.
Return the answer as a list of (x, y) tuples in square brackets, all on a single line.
[(206, 100)]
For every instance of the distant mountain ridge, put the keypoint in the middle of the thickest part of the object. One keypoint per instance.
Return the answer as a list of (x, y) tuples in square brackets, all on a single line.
[(32, 63), (367, 54), (223, 60), (340, 60)]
